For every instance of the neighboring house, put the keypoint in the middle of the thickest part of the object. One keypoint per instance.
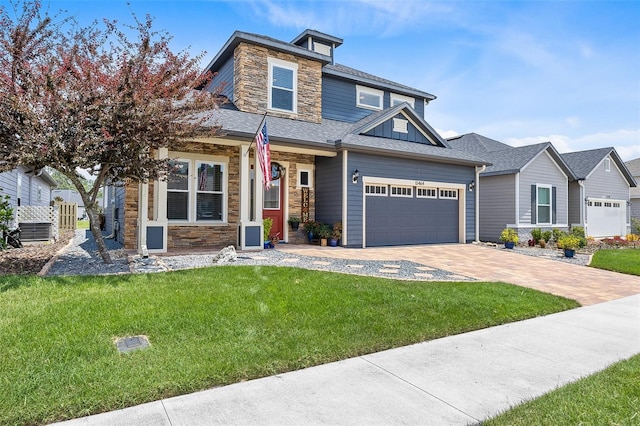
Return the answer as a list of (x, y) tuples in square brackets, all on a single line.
[(71, 196), (346, 145), (524, 188), (634, 169), (26, 188), (599, 198)]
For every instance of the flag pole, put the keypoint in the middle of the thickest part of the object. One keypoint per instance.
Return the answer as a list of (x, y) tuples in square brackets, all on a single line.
[(264, 117)]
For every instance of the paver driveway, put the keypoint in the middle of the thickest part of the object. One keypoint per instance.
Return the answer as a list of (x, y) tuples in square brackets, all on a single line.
[(586, 285)]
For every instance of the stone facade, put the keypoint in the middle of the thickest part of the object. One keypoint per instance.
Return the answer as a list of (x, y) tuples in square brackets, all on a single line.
[(250, 86)]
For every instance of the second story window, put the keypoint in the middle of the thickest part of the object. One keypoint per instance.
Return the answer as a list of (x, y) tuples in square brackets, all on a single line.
[(367, 97), (283, 85)]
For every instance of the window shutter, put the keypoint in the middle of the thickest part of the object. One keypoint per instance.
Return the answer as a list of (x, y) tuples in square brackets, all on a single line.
[(534, 204), (553, 205)]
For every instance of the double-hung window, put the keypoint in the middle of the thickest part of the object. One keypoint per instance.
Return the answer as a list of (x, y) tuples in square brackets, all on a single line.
[(196, 191), (283, 85), (544, 204)]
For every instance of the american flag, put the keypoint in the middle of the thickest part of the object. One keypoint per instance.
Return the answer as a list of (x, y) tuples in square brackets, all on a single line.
[(202, 184), (264, 154)]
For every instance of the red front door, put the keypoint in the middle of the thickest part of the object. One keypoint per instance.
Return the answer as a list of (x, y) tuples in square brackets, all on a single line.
[(272, 208)]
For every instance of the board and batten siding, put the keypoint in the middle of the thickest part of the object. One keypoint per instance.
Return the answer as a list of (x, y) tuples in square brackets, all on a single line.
[(543, 171), (497, 205), (413, 170), (328, 189), (385, 130), (224, 77)]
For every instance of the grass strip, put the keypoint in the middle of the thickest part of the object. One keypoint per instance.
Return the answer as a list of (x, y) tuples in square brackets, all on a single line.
[(626, 261), (214, 326), (610, 397)]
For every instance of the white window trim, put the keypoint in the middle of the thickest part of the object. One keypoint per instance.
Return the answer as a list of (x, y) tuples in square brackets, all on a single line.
[(398, 188), (420, 188), (194, 159), (607, 164), (453, 195), (304, 168), (375, 194), (287, 65), (550, 188), (400, 125), (370, 91), (401, 98)]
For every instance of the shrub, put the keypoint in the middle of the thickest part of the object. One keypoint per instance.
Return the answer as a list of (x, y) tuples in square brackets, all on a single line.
[(547, 235), (267, 223), (509, 235), (536, 235), (568, 241), (6, 216), (633, 238), (557, 233), (578, 231), (635, 225)]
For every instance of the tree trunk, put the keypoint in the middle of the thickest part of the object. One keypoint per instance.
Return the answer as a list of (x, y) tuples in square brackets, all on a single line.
[(94, 224)]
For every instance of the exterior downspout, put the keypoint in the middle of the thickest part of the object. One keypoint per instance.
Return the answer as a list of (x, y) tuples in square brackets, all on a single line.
[(477, 201)]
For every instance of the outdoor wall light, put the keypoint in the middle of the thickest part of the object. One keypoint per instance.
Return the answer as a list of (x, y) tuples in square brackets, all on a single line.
[(355, 176), (472, 185)]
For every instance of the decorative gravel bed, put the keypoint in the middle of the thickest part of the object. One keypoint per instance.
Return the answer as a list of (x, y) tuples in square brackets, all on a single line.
[(82, 257)]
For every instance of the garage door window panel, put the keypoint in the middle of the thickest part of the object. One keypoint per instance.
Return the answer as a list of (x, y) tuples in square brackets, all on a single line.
[(402, 191), (376, 190)]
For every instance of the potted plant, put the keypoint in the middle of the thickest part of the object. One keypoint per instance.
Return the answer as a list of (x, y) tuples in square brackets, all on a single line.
[(267, 223), (569, 243), (336, 234), (311, 228), (324, 232), (294, 221), (510, 237)]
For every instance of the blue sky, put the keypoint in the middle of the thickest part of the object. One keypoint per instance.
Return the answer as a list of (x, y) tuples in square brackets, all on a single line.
[(520, 72)]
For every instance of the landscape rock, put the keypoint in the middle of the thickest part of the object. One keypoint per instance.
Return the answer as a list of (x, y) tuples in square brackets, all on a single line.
[(226, 255)]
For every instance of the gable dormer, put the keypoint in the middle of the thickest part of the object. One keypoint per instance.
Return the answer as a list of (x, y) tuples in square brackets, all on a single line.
[(318, 42)]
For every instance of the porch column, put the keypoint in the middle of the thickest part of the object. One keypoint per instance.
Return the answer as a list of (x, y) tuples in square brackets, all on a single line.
[(157, 229), (249, 232), (143, 216)]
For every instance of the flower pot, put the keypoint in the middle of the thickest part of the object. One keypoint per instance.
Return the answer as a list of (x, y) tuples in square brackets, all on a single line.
[(295, 225), (267, 244), (569, 252), (509, 244), (333, 242), (323, 242), (310, 236)]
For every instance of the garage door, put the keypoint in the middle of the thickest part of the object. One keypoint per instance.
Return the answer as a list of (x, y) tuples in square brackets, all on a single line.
[(606, 218), (409, 215)]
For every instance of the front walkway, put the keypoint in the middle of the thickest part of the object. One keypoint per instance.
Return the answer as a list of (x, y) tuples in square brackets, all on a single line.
[(484, 263)]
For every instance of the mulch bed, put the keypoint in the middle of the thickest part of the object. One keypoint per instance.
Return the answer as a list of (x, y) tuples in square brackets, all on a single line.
[(30, 259)]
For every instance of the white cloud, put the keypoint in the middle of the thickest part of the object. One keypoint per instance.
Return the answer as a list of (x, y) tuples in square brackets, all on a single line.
[(626, 142), (446, 134), (573, 121)]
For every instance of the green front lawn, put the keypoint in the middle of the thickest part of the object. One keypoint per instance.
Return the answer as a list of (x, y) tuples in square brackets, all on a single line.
[(626, 261), (611, 397), (215, 326)]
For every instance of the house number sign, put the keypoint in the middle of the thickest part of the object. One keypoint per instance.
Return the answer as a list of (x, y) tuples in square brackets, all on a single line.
[(305, 205)]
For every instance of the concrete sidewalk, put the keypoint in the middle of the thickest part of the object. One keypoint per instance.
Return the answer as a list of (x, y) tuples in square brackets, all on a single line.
[(456, 380)]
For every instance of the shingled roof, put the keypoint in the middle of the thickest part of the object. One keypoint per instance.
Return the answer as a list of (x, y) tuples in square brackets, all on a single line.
[(584, 162)]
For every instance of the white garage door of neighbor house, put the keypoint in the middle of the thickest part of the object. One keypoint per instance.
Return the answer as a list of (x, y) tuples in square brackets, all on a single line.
[(606, 218)]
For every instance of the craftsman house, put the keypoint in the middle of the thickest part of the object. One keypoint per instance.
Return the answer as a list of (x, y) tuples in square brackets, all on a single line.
[(345, 146)]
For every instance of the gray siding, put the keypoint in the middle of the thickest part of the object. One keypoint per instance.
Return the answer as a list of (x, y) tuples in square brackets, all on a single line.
[(370, 165), (385, 130), (635, 209), (34, 191), (497, 205), (602, 184), (224, 76), (576, 202), (339, 101), (328, 189), (543, 171)]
